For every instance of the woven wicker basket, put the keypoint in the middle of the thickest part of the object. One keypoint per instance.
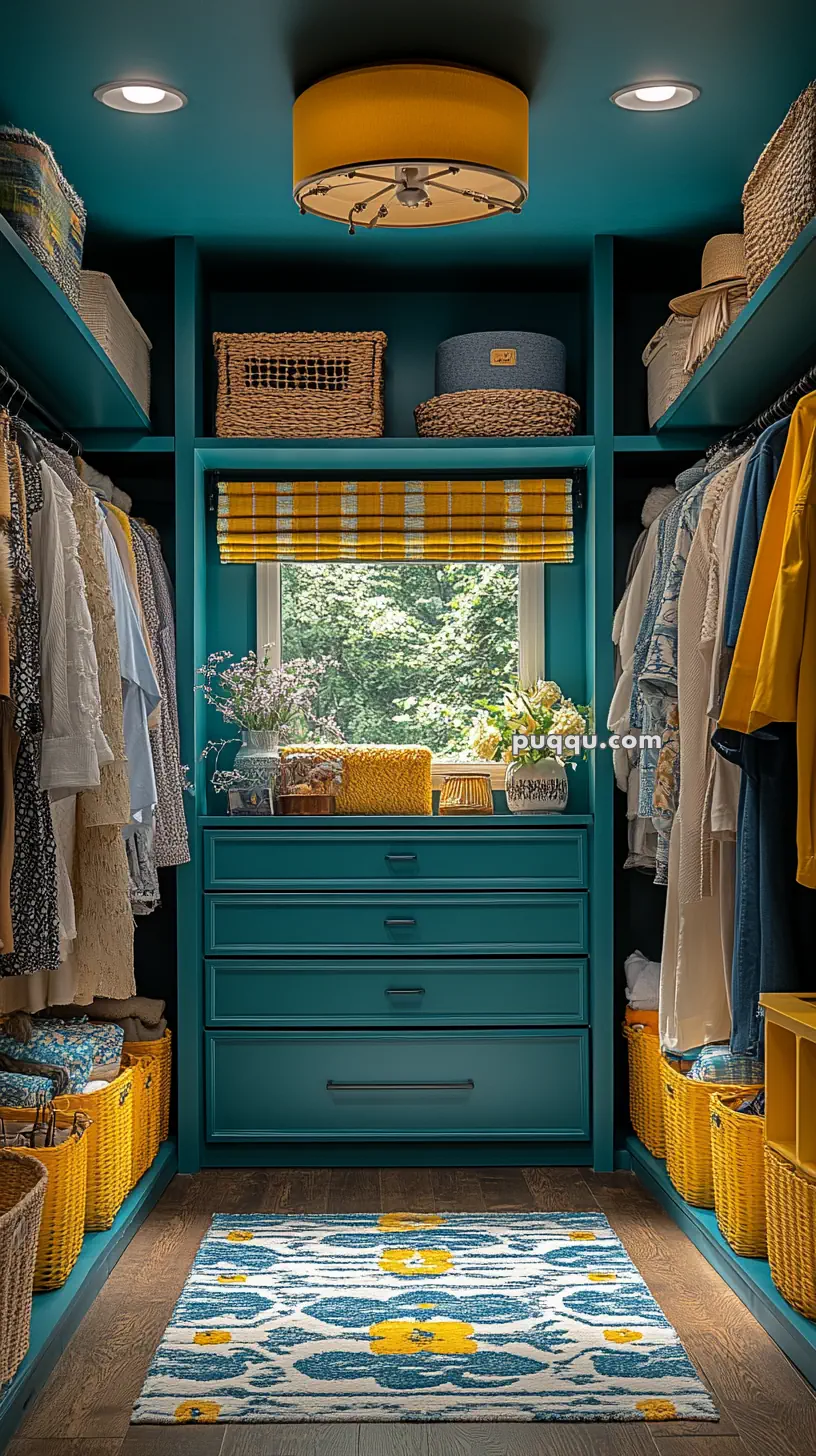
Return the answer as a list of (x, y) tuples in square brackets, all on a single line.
[(790, 1198), (162, 1050), (23, 1182), (300, 385), (62, 1227), (497, 412), (779, 198), (737, 1148), (44, 210), (687, 1109), (112, 324), (664, 360), (110, 1139), (146, 1110), (646, 1089)]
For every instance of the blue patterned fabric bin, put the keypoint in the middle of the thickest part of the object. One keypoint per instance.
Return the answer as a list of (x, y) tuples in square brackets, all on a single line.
[(17, 1090), (59, 1044), (500, 359), (43, 209)]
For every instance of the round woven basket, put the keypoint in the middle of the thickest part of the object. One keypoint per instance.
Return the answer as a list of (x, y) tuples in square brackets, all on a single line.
[(22, 1190), (497, 412)]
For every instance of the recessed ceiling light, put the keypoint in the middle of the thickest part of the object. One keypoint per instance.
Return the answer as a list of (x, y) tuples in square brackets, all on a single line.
[(145, 96), (655, 96)]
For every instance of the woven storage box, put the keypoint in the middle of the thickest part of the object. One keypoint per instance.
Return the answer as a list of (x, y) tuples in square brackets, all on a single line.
[(790, 1202), (43, 209), (23, 1182), (110, 1140), (146, 1112), (646, 1089), (500, 360), (779, 198), (738, 1165), (379, 780), (62, 1226), (664, 358), (497, 412), (122, 337), (300, 385), (687, 1108), (162, 1050)]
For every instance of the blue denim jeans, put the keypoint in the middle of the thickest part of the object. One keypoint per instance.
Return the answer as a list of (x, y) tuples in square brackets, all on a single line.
[(775, 918)]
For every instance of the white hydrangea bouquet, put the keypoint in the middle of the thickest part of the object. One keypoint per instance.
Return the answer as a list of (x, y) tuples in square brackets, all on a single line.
[(538, 714)]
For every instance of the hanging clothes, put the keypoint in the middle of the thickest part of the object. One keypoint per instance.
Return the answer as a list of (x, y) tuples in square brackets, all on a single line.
[(32, 885)]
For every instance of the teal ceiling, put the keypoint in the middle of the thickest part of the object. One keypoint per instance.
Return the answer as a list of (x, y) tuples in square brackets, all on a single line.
[(221, 168)]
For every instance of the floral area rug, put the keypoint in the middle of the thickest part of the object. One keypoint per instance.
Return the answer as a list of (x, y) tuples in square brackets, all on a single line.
[(418, 1317)]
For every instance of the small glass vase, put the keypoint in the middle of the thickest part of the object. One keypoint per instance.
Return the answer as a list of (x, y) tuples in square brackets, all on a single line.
[(258, 761), (536, 788)]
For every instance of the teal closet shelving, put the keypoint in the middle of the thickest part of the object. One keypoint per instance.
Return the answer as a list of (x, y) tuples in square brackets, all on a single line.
[(609, 313)]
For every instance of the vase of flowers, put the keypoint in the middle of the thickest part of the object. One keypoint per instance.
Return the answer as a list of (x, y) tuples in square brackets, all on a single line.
[(536, 731), (271, 705)]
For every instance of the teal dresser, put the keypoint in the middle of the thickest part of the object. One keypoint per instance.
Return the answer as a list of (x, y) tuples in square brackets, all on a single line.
[(420, 981)]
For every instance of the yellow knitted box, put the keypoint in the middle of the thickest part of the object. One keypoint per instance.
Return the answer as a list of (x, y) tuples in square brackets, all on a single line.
[(379, 780)]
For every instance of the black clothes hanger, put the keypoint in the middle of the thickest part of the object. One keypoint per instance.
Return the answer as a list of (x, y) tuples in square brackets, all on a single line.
[(64, 437)]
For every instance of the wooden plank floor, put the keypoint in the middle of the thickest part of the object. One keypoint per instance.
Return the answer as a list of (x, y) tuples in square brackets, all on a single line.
[(767, 1409)]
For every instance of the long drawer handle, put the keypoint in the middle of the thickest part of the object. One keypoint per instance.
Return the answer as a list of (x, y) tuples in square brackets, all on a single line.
[(399, 922), (401, 856), (405, 991), (466, 1086)]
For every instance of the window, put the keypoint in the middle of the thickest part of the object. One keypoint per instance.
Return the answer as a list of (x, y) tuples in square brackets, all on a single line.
[(413, 644)]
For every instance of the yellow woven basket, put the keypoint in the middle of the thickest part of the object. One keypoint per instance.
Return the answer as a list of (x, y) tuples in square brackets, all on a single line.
[(146, 1105), (162, 1050), (687, 1107), (110, 1141), (790, 1197), (737, 1148), (62, 1226), (646, 1089)]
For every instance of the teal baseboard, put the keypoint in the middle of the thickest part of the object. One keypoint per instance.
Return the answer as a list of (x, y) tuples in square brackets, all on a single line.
[(398, 1155), (55, 1315), (750, 1279)]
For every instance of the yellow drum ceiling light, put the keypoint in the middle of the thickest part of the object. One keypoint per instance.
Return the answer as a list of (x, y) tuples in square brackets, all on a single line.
[(410, 145)]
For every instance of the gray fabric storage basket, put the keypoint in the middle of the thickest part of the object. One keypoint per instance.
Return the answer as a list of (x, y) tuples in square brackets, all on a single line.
[(500, 359)]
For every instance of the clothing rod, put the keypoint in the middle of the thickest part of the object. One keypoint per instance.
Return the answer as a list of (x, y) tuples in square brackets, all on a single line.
[(28, 401), (777, 411)]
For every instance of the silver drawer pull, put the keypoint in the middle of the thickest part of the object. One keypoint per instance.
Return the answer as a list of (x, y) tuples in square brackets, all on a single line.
[(405, 991), (400, 856), (467, 1086), (399, 922)]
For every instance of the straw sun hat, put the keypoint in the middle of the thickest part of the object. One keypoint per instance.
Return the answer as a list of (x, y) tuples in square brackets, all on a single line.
[(723, 266)]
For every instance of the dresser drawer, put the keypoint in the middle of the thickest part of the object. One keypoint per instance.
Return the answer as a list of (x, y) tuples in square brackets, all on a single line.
[(396, 1085), (394, 924), (464, 992), (376, 859)]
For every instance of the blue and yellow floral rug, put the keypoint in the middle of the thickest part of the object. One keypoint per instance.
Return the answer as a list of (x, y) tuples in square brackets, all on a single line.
[(418, 1317)]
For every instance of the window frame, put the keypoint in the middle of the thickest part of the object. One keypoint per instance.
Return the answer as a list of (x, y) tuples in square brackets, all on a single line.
[(532, 636)]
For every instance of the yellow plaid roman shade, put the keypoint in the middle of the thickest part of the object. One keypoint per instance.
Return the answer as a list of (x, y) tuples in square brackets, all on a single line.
[(395, 520)]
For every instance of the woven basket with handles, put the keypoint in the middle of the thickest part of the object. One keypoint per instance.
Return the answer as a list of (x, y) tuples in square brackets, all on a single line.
[(737, 1146), (62, 1227), (687, 1107), (779, 198), (790, 1199), (23, 1182), (300, 385), (497, 412)]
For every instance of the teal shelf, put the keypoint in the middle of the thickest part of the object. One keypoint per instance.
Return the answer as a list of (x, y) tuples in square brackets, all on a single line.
[(396, 821), (662, 444), (126, 443), (56, 1315), (767, 348), (750, 1279), (396, 455), (49, 350)]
